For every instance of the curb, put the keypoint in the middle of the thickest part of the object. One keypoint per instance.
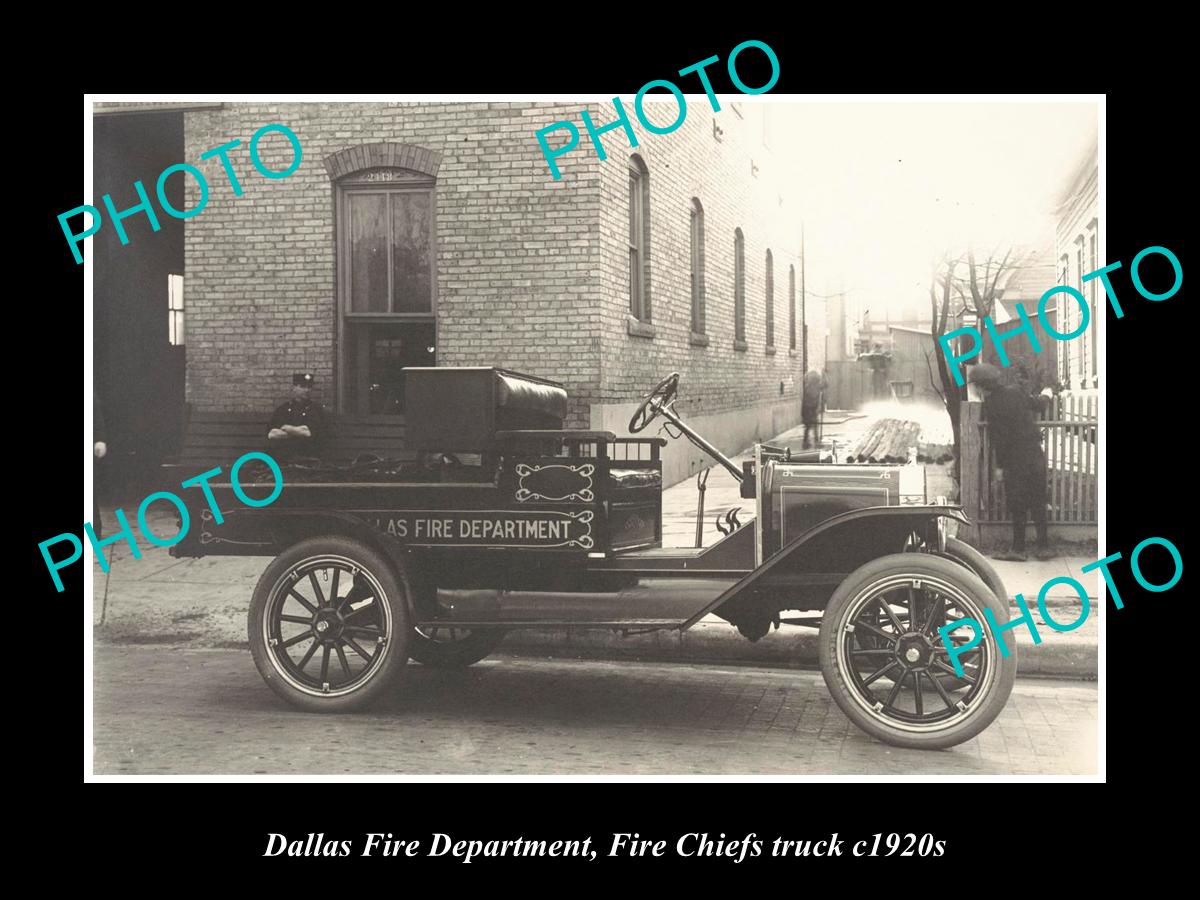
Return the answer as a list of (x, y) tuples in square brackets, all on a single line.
[(707, 643), (712, 641), (1059, 655)]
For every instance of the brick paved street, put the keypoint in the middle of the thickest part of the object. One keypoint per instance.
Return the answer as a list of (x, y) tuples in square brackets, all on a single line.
[(164, 710)]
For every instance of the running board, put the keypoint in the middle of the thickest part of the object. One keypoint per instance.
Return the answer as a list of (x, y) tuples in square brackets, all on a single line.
[(652, 602), (630, 625)]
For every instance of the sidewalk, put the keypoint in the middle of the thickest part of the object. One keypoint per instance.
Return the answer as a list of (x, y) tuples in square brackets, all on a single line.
[(203, 602)]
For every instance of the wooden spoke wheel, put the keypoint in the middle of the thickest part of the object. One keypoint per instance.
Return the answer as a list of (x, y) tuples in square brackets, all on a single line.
[(885, 662), (328, 624)]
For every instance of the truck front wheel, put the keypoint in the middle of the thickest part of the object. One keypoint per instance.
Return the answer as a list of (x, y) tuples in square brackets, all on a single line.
[(884, 660), (329, 624)]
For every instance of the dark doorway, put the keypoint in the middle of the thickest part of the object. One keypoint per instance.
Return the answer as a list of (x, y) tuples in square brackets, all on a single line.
[(376, 355), (139, 303)]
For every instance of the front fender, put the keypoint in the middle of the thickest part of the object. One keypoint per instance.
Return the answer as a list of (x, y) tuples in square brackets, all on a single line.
[(814, 563), (964, 553)]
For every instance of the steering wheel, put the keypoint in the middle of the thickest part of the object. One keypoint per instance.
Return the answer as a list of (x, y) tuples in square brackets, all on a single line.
[(662, 395)]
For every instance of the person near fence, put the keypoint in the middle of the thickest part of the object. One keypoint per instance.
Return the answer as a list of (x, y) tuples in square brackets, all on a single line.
[(297, 427), (812, 404), (1020, 459)]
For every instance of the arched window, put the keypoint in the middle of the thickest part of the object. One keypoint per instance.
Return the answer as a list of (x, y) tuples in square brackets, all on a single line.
[(791, 307), (639, 239), (770, 300), (386, 271), (697, 262), (739, 290)]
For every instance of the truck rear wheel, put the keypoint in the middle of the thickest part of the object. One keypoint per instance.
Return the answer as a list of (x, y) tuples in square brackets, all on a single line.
[(912, 707), (329, 624), (450, 647)]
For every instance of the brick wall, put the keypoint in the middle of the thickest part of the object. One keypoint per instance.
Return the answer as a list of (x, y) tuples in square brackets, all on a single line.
[(532, 272), (687, 163), (513, 248)]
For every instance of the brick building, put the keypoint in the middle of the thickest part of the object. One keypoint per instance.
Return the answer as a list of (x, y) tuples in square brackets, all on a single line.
[(434, 233)]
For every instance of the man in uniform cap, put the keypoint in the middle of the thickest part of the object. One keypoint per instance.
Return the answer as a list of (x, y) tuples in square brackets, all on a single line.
[(298, 426), (1020, 460)]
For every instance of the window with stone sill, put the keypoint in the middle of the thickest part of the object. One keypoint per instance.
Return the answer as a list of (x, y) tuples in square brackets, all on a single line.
[(770, 300), (1064, 325), (697, 266), (639, 239), (175, 311), (739, 287), (1084, 354)]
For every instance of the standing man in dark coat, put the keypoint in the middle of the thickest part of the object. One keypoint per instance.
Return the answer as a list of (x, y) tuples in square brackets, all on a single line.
[(812, 404), (297, 428), (1020, 460)]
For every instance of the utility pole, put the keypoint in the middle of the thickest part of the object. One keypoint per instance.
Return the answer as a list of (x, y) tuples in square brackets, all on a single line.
[(803, 309)]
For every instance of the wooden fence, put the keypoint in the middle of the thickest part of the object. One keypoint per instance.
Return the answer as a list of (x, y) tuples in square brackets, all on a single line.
[(1071, 442)]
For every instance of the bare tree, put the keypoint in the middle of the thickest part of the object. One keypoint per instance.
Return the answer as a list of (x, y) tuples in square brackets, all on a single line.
[(983, 297), (942, 282), (982, 283)]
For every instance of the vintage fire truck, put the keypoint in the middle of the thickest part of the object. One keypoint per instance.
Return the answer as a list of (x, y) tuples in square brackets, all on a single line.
[(496, 517)]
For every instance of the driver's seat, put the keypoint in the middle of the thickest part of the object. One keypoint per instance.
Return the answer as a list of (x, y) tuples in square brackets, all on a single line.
[(628, 479)]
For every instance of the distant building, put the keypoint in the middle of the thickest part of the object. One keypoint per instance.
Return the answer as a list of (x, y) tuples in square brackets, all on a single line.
[(891, 355), (873, 354), (839, 345), (1077, 253), (912, 375)]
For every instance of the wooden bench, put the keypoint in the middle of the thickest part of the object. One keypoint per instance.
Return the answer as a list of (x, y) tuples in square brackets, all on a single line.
[(219, 438)]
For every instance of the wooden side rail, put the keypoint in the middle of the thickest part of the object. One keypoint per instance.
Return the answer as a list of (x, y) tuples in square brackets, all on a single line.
[(598, 443)]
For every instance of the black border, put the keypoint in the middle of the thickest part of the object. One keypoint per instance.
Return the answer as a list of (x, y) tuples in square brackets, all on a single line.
[(205, 833)]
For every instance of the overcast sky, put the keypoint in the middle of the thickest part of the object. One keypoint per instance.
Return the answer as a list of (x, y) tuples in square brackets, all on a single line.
[(884, 188)]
